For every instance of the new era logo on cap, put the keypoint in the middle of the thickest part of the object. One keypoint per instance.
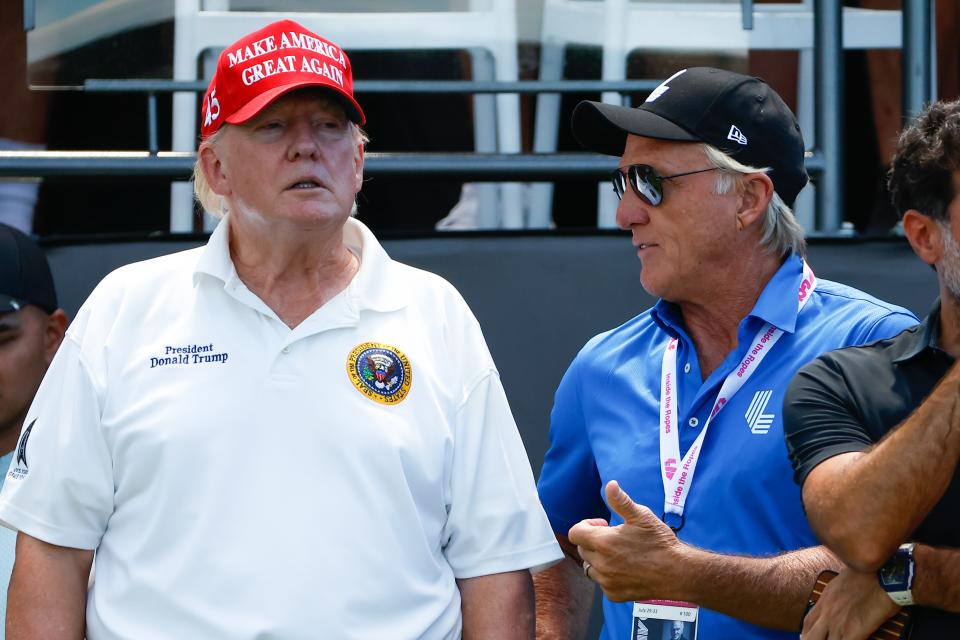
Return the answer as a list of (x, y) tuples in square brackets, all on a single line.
[(736, 135), (261, 67)]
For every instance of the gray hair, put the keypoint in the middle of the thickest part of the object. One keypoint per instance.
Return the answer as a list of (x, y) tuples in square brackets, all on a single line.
[(213, 203), (782, 234)]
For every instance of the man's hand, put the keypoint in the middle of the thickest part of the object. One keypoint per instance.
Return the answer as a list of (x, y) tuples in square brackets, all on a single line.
[(852, 607), (637, 560), (643, 559)]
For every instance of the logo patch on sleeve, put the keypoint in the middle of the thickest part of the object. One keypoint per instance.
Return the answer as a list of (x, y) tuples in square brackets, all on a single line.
[(20, 468), (380, 371)]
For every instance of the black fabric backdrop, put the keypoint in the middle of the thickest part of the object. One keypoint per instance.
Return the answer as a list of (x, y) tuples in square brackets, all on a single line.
[(539, 298)]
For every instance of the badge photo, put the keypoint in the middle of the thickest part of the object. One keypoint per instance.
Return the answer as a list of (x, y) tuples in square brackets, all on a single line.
[(380, 371), (664, 620)]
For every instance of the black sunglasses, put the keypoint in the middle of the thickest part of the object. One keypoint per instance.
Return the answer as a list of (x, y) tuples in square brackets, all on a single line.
[(645, 182)]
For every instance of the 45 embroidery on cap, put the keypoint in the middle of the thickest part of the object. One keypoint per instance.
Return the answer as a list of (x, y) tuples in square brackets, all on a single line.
[(380, 371)]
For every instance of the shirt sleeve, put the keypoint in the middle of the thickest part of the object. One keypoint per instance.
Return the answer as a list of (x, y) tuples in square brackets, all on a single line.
[(495, 522), (59, 487), (819, 421), (569, 483), (888, 326)]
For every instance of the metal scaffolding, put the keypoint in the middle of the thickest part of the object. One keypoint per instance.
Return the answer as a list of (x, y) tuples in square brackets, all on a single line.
[(824, 162)]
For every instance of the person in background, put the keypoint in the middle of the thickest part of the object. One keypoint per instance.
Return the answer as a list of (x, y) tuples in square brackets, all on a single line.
[(666, 481), (32, 326), (874, 431), (284, 433)]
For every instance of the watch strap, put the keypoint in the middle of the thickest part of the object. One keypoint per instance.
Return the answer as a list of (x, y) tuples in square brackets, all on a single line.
[(904, 596)]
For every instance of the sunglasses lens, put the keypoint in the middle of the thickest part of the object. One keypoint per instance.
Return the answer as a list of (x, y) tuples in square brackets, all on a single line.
[(646, 184), (619, 183)]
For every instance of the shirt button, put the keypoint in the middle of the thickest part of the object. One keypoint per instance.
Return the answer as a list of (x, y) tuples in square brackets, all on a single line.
[(285, 350), (686, 368), (693, 421)]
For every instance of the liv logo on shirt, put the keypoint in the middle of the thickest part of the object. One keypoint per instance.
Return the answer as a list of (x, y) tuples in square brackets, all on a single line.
[(20, 467), (759, 421)]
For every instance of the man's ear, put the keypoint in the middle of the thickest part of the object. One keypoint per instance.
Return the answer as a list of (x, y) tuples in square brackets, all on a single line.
[(53, 336), (923, 233), (358, 167), (756, 191), (212, 167)]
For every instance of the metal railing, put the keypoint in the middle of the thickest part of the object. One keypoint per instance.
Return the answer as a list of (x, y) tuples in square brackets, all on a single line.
[(178, 165), (169, 165)]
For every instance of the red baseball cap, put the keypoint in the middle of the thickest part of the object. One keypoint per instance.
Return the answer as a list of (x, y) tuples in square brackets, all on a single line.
[(264, 65)]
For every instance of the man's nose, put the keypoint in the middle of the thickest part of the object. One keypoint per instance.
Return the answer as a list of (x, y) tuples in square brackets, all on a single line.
[(631, 210), (304, 142)]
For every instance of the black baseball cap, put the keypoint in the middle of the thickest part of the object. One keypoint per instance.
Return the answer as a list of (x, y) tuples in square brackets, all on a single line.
[(740, 115), (24, 273)]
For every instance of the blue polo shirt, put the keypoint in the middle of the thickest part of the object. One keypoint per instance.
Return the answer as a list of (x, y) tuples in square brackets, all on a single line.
[(604, 426)]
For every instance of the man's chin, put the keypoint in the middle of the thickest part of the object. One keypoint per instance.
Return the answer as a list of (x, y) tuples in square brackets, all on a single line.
[(652, 285)]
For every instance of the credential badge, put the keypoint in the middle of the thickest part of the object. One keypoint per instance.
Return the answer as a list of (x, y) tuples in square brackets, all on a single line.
[(380, 371)]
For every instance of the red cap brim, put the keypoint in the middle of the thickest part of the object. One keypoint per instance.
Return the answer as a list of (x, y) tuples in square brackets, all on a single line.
[(261, 101)]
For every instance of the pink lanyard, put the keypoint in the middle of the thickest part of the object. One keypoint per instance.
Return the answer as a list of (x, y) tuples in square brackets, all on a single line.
[(677, 480)]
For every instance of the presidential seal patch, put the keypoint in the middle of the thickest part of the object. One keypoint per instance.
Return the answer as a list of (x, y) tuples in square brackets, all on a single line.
[(380, 372)]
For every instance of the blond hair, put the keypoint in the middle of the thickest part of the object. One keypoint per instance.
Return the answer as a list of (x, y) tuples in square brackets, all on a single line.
[(781, 232)]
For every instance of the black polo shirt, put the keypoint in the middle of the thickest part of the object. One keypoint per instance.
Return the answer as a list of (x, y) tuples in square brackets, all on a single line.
[(848, 399)]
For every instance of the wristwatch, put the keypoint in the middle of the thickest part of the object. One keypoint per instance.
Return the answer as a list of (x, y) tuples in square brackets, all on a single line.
[(896, 576)]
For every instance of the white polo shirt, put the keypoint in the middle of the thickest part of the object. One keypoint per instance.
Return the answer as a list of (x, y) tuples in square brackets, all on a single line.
[(240, 479)]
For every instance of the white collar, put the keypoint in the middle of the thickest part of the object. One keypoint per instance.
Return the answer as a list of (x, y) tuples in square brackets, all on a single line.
[(375, 286)]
